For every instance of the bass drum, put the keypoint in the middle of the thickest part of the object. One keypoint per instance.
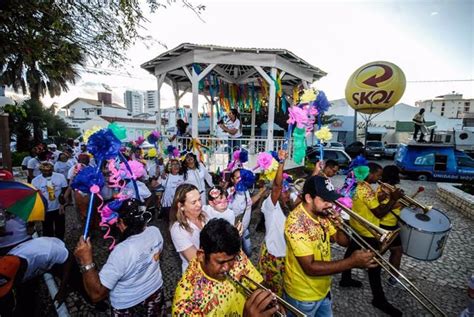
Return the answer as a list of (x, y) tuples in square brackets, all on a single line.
[(424, 235)]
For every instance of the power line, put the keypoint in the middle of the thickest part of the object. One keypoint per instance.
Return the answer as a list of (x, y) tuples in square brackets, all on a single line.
[(439, 81)]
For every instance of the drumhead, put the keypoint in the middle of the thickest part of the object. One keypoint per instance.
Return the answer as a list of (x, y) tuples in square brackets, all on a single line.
[(437, 221)]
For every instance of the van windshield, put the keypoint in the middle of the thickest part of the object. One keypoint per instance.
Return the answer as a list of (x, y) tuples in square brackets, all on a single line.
[(374, 144)]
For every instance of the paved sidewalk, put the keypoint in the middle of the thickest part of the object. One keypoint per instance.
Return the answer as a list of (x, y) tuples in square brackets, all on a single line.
[(443, 280)]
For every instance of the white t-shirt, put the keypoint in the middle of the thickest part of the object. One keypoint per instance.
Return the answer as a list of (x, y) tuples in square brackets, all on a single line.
[(26, 160), (33, 164), (56, 183), (143, 191), (198, 177), (151, 168), (234, 125), (274, 227), (132, 271), (62, 167), (170, 183), (239, 203), (183, 240), (15, 232), (227, 214), (41, 254)]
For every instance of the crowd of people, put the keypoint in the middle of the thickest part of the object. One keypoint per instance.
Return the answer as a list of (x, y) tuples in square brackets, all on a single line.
[(209, 223)]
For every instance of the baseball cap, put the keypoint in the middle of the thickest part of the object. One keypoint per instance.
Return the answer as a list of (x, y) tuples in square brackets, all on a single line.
[(320, 186), (5, 175), (9, 265)]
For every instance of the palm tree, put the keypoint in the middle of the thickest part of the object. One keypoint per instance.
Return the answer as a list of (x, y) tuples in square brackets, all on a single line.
[(37, 55)]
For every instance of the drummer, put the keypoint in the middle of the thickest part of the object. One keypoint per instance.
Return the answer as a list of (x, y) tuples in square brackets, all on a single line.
[(390, 175), (368, 204)]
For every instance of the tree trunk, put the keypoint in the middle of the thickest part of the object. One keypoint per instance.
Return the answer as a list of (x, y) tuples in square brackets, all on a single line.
[(36, 114)]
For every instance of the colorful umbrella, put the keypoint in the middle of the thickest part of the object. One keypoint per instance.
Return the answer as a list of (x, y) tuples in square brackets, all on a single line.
[(23, 200)]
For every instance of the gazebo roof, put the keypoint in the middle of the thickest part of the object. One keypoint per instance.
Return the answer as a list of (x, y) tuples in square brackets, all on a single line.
[(234, 64)]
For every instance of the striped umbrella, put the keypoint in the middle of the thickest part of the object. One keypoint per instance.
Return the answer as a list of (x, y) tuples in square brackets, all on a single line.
[(22, 200)]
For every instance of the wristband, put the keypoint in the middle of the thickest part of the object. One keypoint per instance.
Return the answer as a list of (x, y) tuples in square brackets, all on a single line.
[(87, 267)]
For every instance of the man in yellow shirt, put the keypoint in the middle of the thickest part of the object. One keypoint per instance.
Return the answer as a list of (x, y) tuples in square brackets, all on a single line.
[(366, 202), (205, 289), (308, 233)]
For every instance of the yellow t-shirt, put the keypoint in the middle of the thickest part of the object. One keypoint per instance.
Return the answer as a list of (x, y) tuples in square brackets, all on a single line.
[(305, 236), (389, 219), (365, 199), (200, 295)]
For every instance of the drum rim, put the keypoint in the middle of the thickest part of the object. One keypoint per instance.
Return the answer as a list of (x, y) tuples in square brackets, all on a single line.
[(423, 230), (424, 259)]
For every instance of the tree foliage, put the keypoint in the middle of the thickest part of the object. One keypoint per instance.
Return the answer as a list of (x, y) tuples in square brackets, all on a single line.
[(30, 115)]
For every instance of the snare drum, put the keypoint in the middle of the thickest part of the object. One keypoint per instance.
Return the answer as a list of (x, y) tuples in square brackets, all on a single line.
[(424, 235)]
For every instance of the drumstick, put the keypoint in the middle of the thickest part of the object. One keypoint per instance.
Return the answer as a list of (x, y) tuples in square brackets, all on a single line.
[(420, 189)]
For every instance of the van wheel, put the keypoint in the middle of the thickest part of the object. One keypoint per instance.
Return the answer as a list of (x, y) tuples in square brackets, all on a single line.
[(423, 177)]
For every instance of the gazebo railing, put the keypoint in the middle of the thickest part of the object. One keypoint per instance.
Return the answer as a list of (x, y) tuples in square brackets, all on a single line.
[(221, 147)]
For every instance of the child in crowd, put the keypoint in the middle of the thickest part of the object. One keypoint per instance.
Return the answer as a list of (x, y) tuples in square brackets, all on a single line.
[(218, 205)]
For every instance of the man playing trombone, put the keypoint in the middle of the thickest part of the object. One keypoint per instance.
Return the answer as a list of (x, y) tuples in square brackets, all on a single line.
[(366, 203), (208, 287), (308, 233)]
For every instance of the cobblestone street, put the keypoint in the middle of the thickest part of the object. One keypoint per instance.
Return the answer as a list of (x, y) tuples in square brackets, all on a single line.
[(443, 280)]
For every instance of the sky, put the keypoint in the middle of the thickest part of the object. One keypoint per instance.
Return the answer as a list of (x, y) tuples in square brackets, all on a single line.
[(428, 40)]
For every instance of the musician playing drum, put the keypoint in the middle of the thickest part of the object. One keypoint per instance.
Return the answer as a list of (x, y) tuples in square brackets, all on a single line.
[(308, 264), (366, 203), (205, 290), (390, 175)]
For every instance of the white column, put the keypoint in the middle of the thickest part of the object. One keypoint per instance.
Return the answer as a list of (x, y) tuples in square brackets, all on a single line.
[(195, 103), (160, 81), (271, 110), (252, 131), (195, 78), (271, 104)]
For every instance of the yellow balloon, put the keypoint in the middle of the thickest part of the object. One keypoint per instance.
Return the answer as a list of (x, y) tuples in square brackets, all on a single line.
[(375, 87)]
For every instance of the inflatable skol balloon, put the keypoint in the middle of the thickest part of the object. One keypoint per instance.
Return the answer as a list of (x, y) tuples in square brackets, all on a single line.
[(375, 87)]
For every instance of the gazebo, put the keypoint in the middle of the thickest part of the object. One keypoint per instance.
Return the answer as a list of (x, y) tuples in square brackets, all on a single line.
[(231, 73)]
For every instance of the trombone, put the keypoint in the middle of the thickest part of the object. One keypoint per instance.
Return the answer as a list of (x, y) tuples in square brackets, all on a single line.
[(386, 265), (248, 291), (385, 237), (406, 200)]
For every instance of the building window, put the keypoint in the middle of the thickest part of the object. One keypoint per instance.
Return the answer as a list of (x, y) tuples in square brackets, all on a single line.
[(442, 113), (99, 112)]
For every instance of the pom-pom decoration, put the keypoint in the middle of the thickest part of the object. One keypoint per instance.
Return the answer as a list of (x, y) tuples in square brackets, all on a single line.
[(137, 170), (264, 160), (87, 179), (361, 172), (269, 174), (321, 103), (103, 145), (109, 215), (90, 132), (243, 156), (119, 131), (140, 140), (153, 137), (358, 161), (308, 96), (324, 134), (151, 153), (247, 180)]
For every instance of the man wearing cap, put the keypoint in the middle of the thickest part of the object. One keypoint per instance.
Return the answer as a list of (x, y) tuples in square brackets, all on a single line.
[(53, 186), (20, 268), (54, 150), (308, 264)]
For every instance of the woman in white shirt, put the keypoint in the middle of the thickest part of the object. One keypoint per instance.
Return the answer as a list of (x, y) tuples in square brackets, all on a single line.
[(233, 127), (170, 181), (62, 165), (195, 173), (187, 220)]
